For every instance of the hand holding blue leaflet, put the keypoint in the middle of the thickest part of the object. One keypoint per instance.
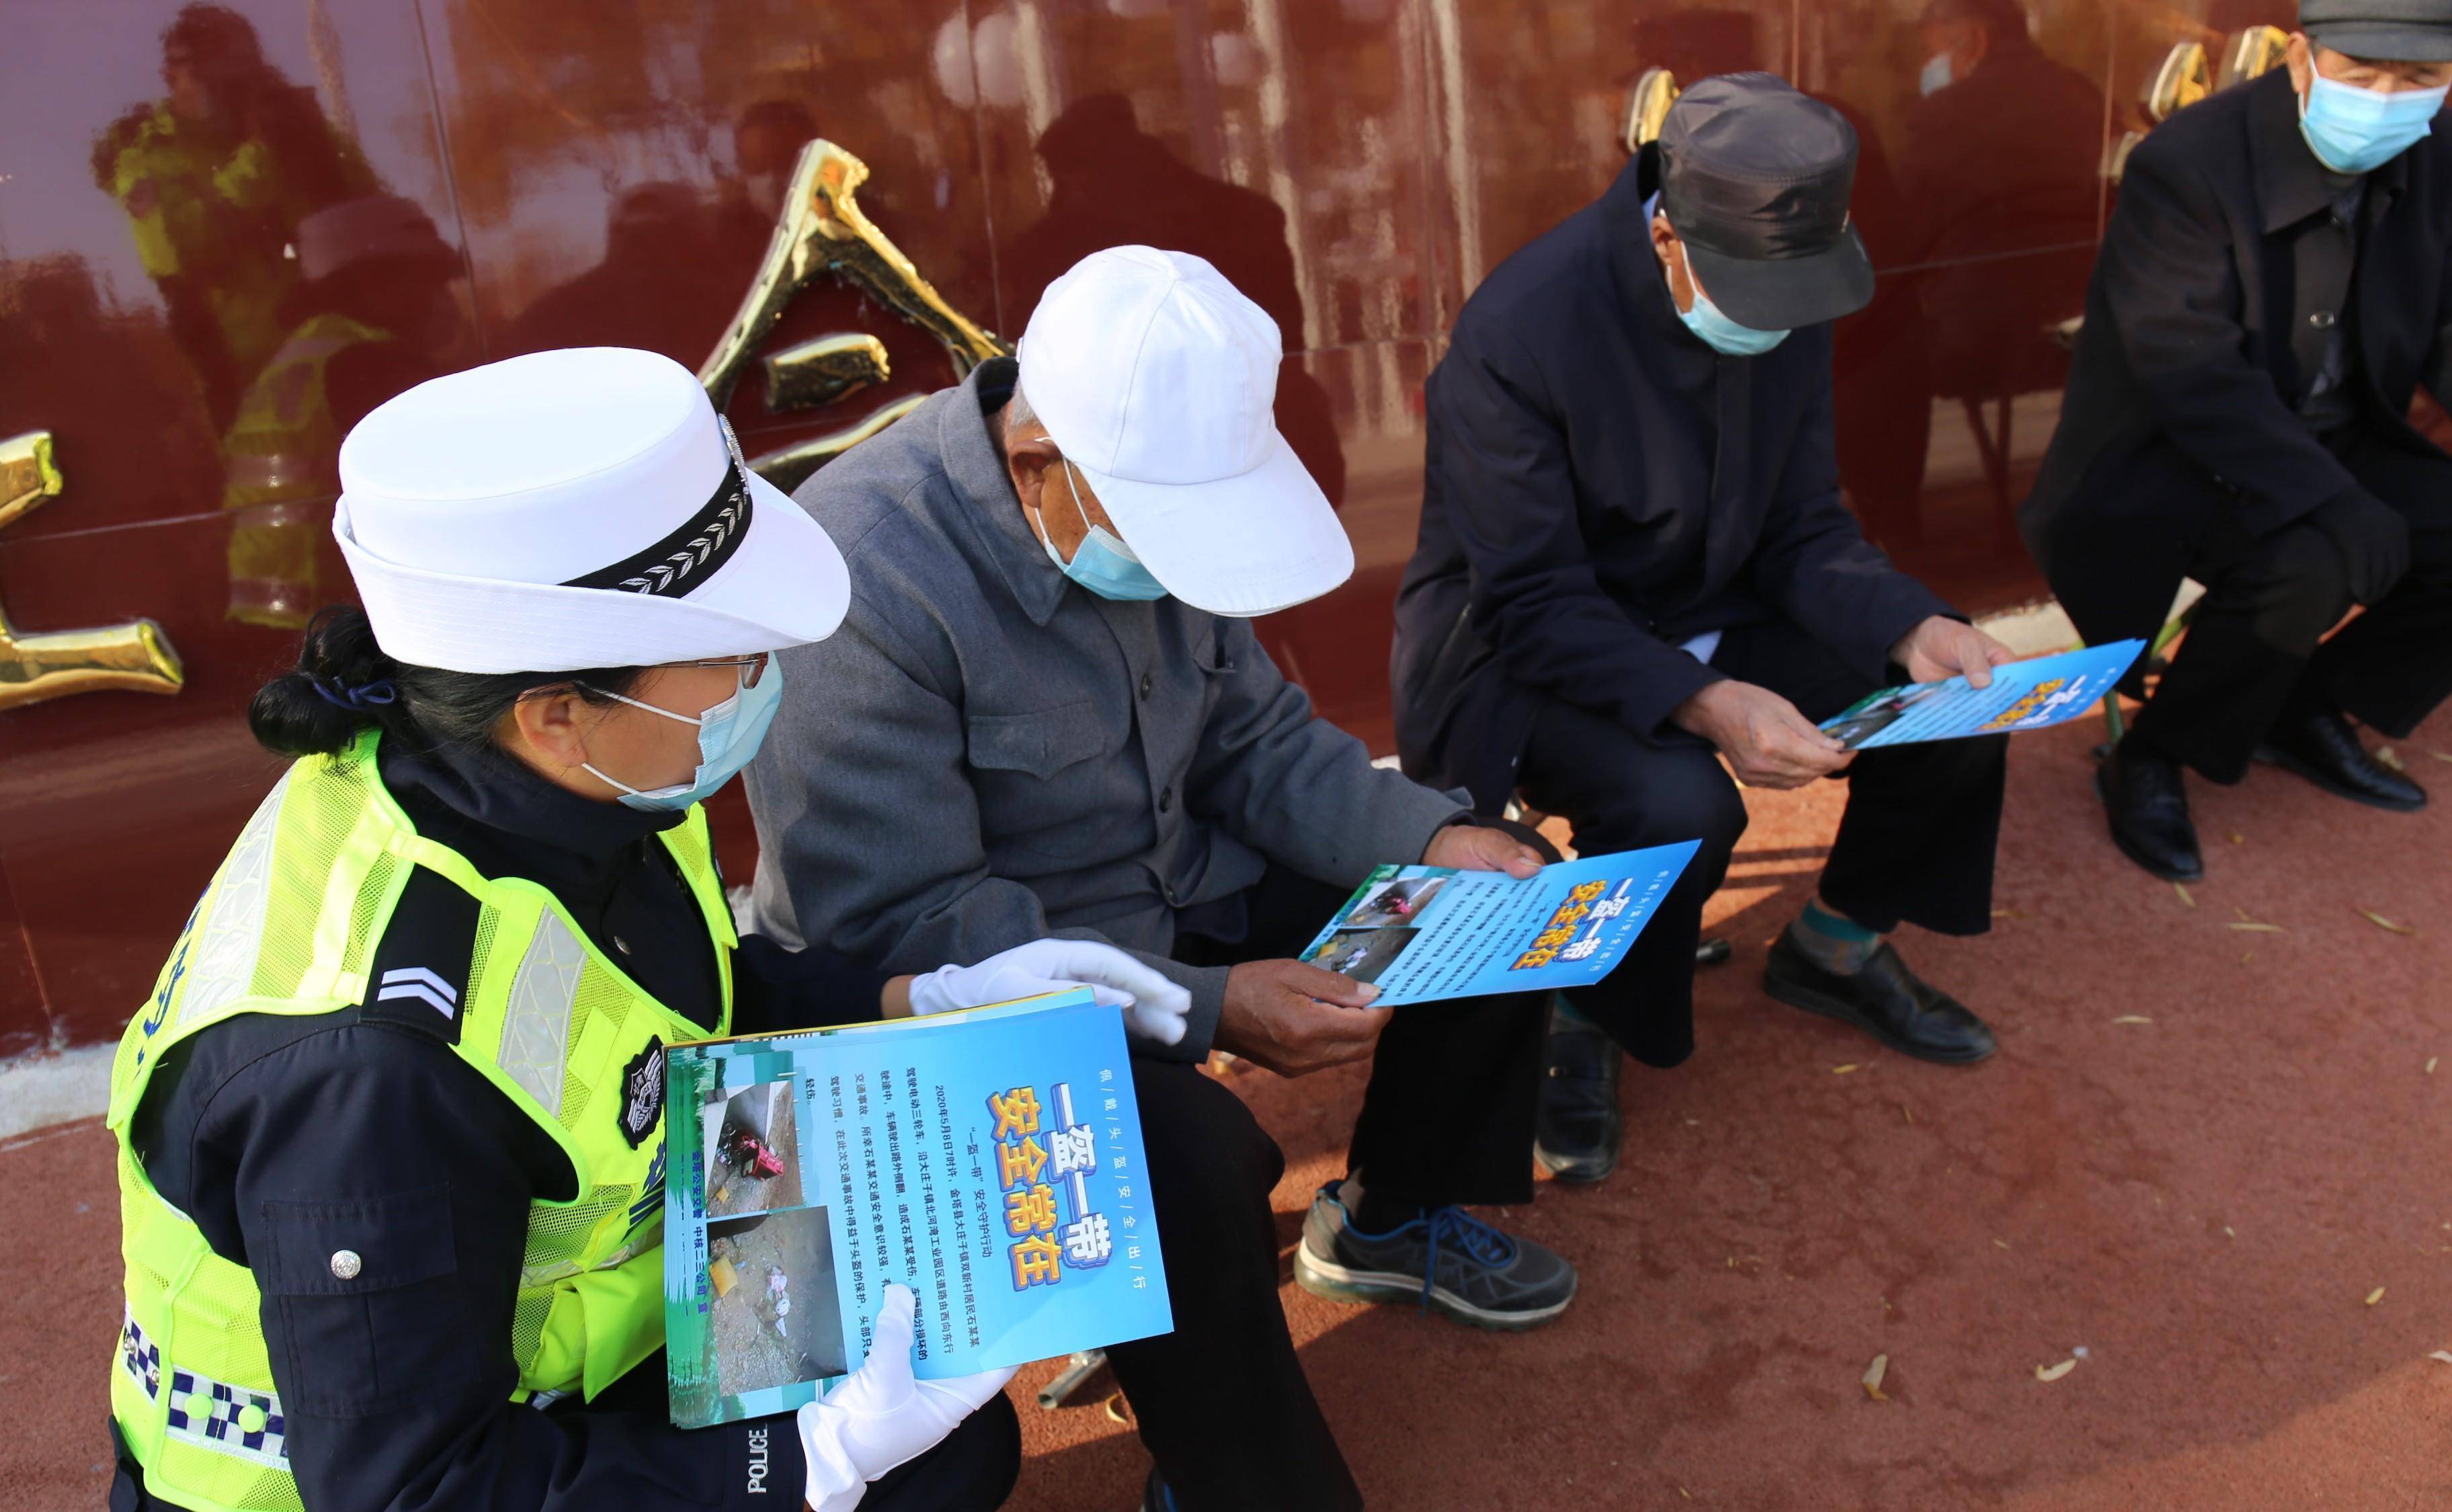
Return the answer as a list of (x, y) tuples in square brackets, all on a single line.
[(2029, 694), (990, 1160), (1422, 933)]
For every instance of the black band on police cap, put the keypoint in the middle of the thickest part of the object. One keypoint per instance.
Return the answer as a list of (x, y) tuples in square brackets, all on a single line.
[(696, 550)]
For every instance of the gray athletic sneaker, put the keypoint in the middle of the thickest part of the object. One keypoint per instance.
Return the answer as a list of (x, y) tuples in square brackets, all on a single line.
[(1446, 1259)]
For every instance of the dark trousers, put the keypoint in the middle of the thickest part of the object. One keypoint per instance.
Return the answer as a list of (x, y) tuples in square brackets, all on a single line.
[(971, 1469), (2256, 646), (974, 1467), (1223, 1405), (1448, 1117), (1915, 845)]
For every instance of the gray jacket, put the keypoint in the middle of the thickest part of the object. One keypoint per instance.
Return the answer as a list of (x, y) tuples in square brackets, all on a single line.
[(986, 754)]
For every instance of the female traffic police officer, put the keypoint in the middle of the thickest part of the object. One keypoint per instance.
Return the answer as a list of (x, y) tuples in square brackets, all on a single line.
[(390, 1125)]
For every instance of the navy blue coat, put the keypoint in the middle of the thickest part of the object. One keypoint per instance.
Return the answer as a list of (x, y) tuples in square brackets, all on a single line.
[(2187, 349), (1600, 487)]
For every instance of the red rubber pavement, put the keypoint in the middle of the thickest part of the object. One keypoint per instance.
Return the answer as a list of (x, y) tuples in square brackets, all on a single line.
[(2203, 1202)]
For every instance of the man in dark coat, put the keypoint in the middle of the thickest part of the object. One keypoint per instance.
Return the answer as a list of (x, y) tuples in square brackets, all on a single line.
[(1635, 561), (2275, 282)]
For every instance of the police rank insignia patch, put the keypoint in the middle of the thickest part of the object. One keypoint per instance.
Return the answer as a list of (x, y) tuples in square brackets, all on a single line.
[(643, 1092)]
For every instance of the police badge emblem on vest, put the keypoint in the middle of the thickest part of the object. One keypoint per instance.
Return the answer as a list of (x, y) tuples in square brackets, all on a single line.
[(643, 1092)]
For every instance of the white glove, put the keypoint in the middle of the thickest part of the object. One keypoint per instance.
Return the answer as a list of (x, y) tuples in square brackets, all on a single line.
[(1154, 1007), (878, 1417)]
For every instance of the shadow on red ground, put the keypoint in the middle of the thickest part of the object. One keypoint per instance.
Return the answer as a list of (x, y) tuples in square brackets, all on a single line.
[(2203, 1202)]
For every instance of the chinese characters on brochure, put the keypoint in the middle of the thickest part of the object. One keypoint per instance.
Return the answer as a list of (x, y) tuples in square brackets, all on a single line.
[(990, 1160), (1426, 933)]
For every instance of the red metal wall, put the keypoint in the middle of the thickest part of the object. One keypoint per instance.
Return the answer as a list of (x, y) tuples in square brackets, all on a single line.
[(605, 174)]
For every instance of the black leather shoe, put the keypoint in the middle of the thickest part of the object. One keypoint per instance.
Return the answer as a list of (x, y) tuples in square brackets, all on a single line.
[(1885, 999), (2147, 801), (2323, 748), (1577, 1136)]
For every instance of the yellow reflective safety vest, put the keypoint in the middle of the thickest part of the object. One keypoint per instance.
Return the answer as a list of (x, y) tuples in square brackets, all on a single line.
[(290, 925), (284, 443), (280, 460)]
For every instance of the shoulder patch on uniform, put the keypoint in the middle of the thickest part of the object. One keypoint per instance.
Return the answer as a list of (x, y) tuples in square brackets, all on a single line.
[(643, 1092), (420, 969)]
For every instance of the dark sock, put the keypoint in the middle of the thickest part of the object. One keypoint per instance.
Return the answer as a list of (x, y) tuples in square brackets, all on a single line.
[(1837, 945)]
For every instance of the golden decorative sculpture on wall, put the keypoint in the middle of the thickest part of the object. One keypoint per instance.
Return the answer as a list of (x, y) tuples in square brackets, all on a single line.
[(822, 231), (1655, 93), (2251, 51), (2187, 76), (52, 665)]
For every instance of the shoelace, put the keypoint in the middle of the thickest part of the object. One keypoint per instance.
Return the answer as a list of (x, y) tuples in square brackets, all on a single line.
[(1457, 1228)]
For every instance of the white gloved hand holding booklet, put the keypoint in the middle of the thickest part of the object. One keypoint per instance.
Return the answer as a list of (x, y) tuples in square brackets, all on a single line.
[(1155, 1007), (880, 1416)]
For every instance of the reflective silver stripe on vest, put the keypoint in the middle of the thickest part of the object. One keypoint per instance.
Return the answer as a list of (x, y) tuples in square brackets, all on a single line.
[(536, 1024), (240, 1422), (224, 969)]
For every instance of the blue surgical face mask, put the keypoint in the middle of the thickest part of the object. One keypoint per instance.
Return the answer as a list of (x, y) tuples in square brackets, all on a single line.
[(728, 735), (1935, 74), (1719, 332), (2353, 130), (1102, 563)]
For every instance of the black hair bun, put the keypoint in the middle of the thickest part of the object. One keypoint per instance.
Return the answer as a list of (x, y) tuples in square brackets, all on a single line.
[(337, 691)]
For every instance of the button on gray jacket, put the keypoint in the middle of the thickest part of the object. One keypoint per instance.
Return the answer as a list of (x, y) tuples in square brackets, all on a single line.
[(986, 753)]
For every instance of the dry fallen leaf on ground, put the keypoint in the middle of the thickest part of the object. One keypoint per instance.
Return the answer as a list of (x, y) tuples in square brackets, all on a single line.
[(2380, 922), (2002, 1244), (2445, 1355), (2375, 1296), (2430, 1065), (2132, 1019), (2251, 926), (2237, 838), (2229, 1232), (2439, 756), (1873, 1374), (2182, 888), (2054, 1372), (2391, 757), (1842, 1070), (2011, 914)]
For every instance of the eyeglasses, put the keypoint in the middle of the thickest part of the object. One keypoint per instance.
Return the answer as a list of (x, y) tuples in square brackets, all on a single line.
[(749, 668)]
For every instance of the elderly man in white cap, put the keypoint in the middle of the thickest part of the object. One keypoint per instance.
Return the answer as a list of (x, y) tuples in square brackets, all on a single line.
[(390, 1125), (1047, 712)]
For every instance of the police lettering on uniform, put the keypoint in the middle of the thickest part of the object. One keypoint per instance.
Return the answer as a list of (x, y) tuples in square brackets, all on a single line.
[(391, 1124)]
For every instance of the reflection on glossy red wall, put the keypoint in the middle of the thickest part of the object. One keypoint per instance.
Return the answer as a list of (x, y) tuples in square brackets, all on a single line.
[(188, 305)]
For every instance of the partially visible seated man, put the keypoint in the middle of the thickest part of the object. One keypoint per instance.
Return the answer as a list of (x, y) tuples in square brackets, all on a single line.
[(1047, 714), (1635, 563), (2270, 290)]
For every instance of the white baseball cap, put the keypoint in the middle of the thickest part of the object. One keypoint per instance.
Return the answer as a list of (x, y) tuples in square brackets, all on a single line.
[(574, 509), (1157, 379)]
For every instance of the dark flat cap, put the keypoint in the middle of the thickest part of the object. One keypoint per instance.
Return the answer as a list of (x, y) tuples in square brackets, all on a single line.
[(2394, 30), (1754, 179)]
